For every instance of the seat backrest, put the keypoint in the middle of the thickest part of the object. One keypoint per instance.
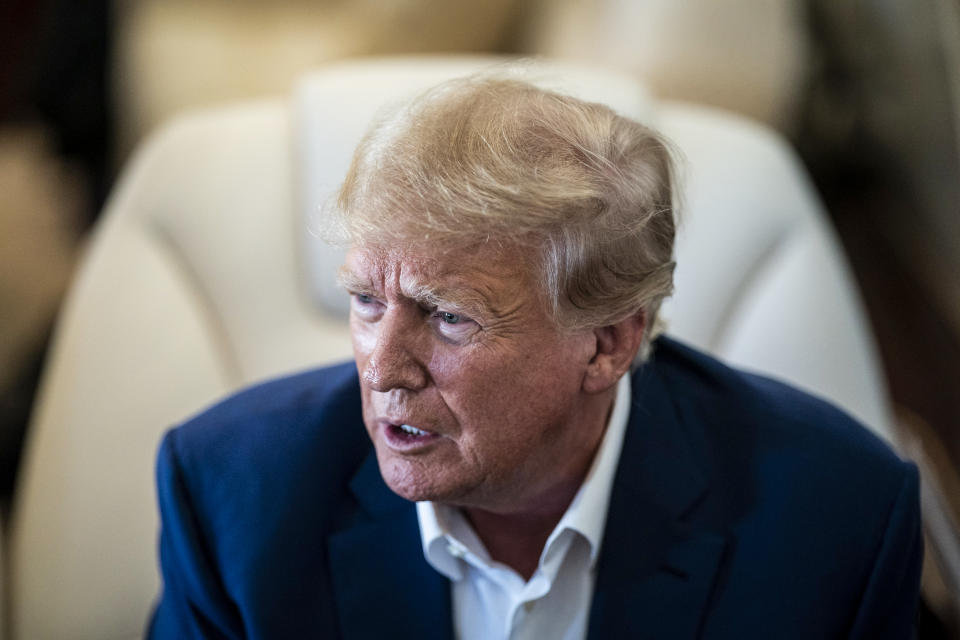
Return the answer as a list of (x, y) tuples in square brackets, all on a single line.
[(201, 277)]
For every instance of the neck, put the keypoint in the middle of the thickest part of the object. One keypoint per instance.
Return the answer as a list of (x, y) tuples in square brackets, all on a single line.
[(516, 540), (516, 536)]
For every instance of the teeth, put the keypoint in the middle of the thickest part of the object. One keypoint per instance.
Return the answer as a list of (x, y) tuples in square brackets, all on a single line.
[(412, 430)]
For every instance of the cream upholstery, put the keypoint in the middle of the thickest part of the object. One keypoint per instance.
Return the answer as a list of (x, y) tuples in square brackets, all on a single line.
[(201, 278), (746, 56)]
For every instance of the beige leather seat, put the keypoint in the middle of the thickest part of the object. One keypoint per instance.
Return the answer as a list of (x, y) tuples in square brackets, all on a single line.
[(201, 277)]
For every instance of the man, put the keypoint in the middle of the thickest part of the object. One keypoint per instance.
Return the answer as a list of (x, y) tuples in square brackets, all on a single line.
[(510, 248)]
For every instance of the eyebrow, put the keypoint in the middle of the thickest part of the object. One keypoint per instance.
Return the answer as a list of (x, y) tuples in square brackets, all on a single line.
[(465, 299), (350, 281)]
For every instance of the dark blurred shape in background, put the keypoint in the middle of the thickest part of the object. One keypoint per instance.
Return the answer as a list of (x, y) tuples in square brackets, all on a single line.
[(72, 88), (55, 142)]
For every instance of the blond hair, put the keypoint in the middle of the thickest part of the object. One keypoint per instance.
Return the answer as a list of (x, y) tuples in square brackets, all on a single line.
[(488, 159)]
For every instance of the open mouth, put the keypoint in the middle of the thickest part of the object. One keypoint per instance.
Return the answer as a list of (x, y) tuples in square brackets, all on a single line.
[(406, 436), (413, 431), (409, 431)]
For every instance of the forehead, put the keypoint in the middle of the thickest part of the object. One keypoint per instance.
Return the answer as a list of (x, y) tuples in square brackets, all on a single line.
[(491, 274)]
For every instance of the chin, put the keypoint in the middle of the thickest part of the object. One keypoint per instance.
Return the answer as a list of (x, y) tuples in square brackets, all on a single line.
[(414, 483), (408, 492), (405, 480)]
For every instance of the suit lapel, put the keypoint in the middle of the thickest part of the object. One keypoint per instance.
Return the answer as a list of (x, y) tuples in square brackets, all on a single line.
[(656, 567), (383, 586)]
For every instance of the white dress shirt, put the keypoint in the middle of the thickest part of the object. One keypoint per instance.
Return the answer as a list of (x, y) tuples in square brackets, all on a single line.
[(491, 601)]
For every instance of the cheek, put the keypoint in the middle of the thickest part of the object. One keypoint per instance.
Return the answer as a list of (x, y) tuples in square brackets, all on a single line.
[(516, 372), (362, 337), (497, 398)]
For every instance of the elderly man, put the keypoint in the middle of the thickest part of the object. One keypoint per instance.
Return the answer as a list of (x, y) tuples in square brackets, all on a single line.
[(536, 463)]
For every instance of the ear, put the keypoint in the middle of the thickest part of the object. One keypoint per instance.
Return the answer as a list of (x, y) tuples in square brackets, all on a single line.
[(617, 346)]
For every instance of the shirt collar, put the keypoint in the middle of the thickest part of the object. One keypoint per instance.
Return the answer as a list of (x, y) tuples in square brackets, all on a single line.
[(447, 539)]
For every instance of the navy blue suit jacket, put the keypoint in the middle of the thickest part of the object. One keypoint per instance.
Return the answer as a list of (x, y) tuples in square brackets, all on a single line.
[(741, 509)]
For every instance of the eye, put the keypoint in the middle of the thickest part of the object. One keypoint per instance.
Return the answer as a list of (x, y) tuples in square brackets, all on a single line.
[(455, 327), (365, 306)]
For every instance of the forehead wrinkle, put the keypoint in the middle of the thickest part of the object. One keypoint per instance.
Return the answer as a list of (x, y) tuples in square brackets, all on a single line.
[(489, 291), (464, 298)]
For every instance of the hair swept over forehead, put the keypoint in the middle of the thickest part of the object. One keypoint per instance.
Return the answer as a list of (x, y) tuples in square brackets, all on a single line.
[(490, 158), (466, 156)]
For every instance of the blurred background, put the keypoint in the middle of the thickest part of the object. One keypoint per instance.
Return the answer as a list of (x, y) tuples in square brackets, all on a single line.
[(868, 92)]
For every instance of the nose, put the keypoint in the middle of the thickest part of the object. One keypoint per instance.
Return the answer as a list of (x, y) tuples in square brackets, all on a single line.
[(392, 361)]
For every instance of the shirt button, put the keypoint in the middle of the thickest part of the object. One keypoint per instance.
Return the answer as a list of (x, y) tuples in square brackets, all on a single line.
[(456, 550), (528, 606)]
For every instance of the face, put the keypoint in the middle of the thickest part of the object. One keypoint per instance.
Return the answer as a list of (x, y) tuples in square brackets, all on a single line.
[(471, 396)]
